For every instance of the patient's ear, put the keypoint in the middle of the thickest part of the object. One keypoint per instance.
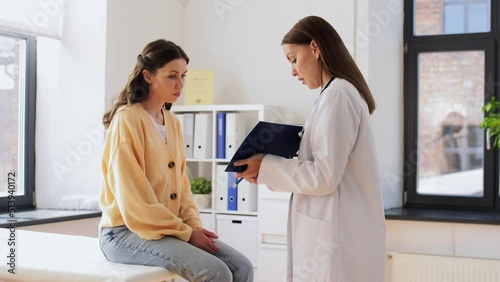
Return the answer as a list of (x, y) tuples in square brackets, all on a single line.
[(147, 76)]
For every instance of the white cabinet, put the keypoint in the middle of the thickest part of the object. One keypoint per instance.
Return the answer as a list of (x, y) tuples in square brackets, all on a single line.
[(239, 229), (206, 220), (272, 234), (272, 264), (239, 232)]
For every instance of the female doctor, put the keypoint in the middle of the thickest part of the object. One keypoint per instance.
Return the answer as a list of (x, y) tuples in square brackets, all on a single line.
[(336, 225)]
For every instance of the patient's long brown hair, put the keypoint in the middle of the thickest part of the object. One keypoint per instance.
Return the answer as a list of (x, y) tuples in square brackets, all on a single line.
[(334, 55), (154, 56)]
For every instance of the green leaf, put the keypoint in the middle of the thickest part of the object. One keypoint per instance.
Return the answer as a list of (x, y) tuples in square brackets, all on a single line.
[(492, 120), (201, 185)]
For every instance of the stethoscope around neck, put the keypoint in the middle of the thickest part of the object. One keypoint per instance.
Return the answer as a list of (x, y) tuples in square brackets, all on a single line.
[(327, 84), (301, 133)]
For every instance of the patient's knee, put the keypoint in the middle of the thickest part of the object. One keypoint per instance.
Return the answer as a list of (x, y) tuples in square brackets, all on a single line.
[(217, 272)]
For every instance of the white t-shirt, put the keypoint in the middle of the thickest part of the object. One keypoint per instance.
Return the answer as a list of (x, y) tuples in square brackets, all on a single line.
[(161, 129)]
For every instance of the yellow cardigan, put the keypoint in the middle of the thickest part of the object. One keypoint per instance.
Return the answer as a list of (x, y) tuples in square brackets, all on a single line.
[(144, 183)]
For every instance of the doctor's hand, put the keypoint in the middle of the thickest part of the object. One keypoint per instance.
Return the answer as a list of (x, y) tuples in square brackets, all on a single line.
[(251, 174), (204, 239)]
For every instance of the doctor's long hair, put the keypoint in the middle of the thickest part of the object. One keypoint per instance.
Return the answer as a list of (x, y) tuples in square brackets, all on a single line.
[(333, 54), (154, 56)]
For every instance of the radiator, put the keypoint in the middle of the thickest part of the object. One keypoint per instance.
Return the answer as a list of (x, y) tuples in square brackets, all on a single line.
[(431, 268)]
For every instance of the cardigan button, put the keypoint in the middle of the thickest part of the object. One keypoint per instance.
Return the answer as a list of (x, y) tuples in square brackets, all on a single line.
[(173, 196), (171, 164)]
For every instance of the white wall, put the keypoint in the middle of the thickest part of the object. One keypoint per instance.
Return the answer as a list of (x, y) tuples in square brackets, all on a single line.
[(131, 24), (384, 49), (240, 40), (91, 63), (69, 105)]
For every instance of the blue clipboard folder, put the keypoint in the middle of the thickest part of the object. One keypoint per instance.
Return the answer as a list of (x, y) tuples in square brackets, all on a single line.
[(268, 138)]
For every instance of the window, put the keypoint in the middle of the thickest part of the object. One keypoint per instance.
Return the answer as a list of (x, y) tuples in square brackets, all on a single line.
[(435, 17), (466, 16), (17, 119), (451, 53)]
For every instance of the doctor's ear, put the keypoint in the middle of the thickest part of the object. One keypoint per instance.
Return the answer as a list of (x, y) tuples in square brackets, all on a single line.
[(315, 49)]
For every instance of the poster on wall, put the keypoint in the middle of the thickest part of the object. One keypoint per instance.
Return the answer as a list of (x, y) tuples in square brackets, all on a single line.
[(200, 87)]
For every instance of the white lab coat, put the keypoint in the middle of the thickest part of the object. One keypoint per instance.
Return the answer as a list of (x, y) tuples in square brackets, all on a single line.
[(336, 224)]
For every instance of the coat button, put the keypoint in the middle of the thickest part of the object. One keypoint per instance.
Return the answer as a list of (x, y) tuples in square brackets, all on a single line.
[(171, 164), (173, 196)]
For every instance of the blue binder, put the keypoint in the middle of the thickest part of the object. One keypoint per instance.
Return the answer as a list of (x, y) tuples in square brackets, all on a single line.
[(269, 138), (232, 192), (221, 135)]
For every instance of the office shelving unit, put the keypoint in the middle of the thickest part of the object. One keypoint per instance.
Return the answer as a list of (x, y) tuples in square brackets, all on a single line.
[(245, 231)]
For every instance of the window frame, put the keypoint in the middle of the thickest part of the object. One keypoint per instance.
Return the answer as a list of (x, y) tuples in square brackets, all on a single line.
[(415, 45), (28, 199)]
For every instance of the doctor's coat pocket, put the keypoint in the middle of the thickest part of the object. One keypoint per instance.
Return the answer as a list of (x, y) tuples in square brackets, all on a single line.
[(315, 249)]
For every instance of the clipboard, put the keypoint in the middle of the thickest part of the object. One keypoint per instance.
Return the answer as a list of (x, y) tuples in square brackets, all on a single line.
[(268, 138)]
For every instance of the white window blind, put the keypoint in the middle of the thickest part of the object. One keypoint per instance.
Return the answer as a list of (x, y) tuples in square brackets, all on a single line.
[(32, 17)]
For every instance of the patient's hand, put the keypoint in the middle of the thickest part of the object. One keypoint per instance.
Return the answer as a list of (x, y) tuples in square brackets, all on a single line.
[(204, 240), (251, 174)]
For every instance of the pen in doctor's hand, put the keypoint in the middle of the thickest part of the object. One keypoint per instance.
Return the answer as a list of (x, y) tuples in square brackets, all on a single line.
[(235, 185)]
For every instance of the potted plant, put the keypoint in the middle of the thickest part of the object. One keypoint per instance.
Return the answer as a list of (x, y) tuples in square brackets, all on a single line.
[(492, 122), (202, 189)]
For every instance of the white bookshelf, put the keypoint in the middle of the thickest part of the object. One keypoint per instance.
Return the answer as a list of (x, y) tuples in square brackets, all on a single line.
[(207, 166)]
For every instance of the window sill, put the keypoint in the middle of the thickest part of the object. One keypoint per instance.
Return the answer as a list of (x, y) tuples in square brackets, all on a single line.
[(42, 216), (437, 215)]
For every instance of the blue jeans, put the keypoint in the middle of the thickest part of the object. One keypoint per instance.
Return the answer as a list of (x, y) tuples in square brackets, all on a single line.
[(121, 245)]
